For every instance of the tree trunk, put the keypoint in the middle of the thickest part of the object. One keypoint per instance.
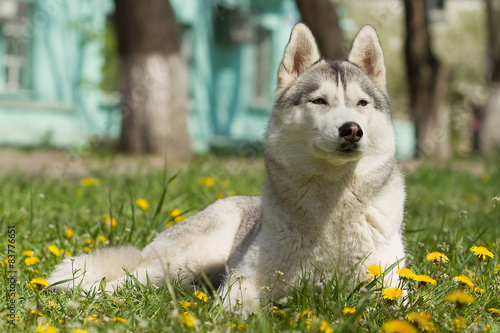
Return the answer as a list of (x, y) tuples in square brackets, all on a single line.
[(153, 79), (321, 17), (428, 82), (490, 135)]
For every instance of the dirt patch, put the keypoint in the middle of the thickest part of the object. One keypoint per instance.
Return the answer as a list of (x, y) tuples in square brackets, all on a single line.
[(61, 164), (69, 165)]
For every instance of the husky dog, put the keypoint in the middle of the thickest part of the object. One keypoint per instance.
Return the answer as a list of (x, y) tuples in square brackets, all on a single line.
[(332, 202)]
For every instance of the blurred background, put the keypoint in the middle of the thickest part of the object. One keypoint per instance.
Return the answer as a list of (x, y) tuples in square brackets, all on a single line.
[(185, 77)]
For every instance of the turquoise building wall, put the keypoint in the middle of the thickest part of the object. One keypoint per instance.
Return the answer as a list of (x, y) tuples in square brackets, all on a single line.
[(61, 103), (58, 98), (225, 109)]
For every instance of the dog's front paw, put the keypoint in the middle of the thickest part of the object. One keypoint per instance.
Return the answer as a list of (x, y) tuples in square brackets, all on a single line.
[(240, 296)]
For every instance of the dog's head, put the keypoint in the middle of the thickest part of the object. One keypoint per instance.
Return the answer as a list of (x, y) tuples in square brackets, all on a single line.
[(331, 112)]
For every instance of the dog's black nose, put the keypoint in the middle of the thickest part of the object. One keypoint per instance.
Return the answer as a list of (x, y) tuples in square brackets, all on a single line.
[(351, 131)]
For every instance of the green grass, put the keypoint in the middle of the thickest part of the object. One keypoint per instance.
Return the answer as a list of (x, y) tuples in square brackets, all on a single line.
[(447, 211)]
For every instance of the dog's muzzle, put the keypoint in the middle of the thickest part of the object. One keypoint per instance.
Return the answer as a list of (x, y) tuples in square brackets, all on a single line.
[(351, 132)]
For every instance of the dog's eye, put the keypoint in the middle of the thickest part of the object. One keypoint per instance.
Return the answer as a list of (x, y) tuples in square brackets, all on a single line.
[(318, 101), (362, 102)]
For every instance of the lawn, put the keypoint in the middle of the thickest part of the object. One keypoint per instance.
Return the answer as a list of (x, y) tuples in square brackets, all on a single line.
[(448, 212)]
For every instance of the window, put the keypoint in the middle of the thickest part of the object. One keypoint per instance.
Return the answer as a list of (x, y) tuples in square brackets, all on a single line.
[(14, 46)]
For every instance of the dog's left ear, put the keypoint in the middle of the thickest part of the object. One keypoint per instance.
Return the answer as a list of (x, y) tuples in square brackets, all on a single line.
[(366, 53)]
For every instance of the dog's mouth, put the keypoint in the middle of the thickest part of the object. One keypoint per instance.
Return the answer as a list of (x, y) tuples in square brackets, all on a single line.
[(349, 148)]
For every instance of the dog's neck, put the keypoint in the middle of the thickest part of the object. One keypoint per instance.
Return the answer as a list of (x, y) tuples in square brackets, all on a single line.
[(310, 200)]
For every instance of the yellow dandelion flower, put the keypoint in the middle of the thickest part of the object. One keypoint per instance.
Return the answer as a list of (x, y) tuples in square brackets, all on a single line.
[(87, 249), (55, 250), (497, 269), (464, 280), (201, 296), (186, 304), (374, 270), (423, 319), (69, 233), (46, 329), (89, 318), (437, 257), (28, 253), (142, 203), (325, 327), (175, 212), (459, 297), (427, 327), (424, 279), (419, 317), (481, 252), (231, 193), (67, 253), (36, 312), (406, 273), (391, 293), (119, 320), (52, 304), (79, 330), (307, 314), (208, 181), (109, 221), (459, 324), (348, 311), (31, 261), (89, 182), (219, 195), (39, 281), (494, 311), (279, 313), (187, 319), (102, 238), (478, 290), (398, 326)]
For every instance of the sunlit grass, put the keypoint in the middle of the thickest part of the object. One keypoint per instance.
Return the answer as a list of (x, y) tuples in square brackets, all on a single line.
[(447, 214)]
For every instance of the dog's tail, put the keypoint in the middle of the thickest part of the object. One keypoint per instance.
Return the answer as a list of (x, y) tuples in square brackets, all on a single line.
[(88, 270)]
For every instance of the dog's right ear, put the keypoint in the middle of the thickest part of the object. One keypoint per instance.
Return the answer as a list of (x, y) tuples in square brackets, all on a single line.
[(301, 53)]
